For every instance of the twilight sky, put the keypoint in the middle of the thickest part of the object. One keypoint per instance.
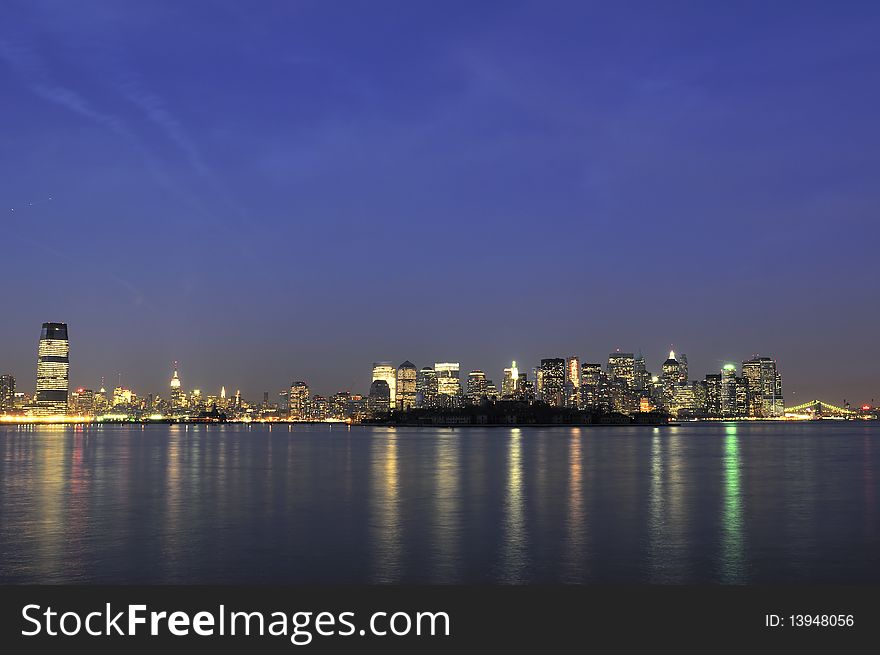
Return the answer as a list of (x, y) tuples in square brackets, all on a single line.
[(271, 191)]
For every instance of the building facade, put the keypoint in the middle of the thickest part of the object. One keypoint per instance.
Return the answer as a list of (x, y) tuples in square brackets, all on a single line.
[(407, 377), (765, 388), (386, 371), (53, 371), (552, 381), (7, 394)]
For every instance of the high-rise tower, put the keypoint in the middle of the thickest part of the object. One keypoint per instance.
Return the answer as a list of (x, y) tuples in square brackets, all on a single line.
[(176, 391), (386, 371), (406, 385), (53, 371)]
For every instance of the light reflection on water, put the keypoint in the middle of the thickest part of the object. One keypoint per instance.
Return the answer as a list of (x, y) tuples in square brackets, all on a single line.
[(722, 503)]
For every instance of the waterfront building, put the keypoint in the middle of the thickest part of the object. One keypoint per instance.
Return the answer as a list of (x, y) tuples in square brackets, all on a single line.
[(728, 391), (407, 377), (102, 402), (508, 382), (525, 389), (386, 371), (552, 378), (82, 402), (572, 381), (340, 404), (123, 398), (7, 394), (592, 381), (682, 400), (448, 383), (319, 408), (379, 401), (713, 395), (426, 388), (742, 396), (298, 401), (699, 391), (765, 388), (476, 387), (177, 398), (670, 377), (53, 371)]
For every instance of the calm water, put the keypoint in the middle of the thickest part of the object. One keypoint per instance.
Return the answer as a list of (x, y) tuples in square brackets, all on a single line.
[(725, 503)]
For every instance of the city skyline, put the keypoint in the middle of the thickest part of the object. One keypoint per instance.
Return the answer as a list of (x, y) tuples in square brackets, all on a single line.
[(625, 384), (522, 182)]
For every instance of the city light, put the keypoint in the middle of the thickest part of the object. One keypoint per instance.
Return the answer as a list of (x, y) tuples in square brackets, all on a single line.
[(568, 390)]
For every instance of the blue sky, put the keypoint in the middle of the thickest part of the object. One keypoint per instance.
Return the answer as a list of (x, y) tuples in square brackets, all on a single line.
[(292, 190)]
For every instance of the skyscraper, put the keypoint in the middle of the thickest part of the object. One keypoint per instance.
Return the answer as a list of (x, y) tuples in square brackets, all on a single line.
[(508, 382), (553, 381), (621, 366), (407, 375), (7, 394), (298, 402), (82, 402), (670, 378), (448, 383), (53, 371), (176, 392), (572, 381), (426, 387), (728, 390), (765, 388), (476, 387), (641, 377), (380, 397), (386, 371), (713, 395)]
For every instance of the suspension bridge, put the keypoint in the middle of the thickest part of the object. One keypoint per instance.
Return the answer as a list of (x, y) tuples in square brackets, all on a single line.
[(821, 408)]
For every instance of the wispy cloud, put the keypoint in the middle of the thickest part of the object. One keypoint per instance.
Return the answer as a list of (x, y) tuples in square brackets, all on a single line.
[(33, 72), (156, 111)]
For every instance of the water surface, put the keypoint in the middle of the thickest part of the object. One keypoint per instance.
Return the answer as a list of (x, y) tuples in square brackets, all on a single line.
[(701, 503)]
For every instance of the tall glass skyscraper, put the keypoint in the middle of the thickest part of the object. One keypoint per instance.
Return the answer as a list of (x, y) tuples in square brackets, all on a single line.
[(553, 381), (406, 385), (53, 371), (7, 393), (765, 387), (448, 383), (386, 371)]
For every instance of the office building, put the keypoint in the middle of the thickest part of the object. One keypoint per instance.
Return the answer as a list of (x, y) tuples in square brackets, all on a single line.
[(508, 382), (7, 394), (448, 383), (670, 378), (407, 377), (177, 398), (298, 401), (476, 387), (728, 391), (641, 377), (621, 366), (379, 400), (82, 402), (765, 388), (426, 387), (53, 371), (552, 381), (386, 371)]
